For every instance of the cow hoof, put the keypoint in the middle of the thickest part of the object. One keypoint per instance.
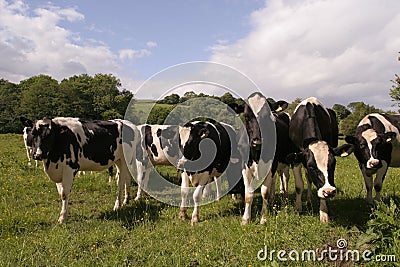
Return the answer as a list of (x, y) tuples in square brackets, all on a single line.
[(137, 198), (183, 215), (245, 221), (263, 220), (194, 221), (324, 218), (233, 197)]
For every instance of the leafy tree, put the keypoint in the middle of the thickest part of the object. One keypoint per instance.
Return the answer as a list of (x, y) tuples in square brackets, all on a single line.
[(359, 111), (341, 111), (10, 96), (227, 98), (76, 97), (40, 97), (292, 106), (172, 99), (395, 91)]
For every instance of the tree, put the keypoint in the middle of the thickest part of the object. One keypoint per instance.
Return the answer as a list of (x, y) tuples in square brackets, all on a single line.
[(10, 97), (341, 112), (39, 97), (395, 91), (359, 110), (292, 106), (227, 98)]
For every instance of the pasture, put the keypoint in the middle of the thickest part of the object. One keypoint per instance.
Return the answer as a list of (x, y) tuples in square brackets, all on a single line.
[(149, 233)]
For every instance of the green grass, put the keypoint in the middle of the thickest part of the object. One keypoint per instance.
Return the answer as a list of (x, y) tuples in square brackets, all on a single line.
[(149, 233)]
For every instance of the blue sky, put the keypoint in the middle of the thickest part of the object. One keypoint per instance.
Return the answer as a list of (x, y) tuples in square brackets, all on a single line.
[(339, 51)]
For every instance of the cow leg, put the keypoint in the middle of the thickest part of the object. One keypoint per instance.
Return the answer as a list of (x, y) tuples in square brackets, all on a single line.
[(248, 195), (299, 184), (309, 190), (266, 193), (64, 190), (121, 184), (368, 185), (323, 211), (184, 194), (380, 176), (284, 175), (196, 198), (218, 186), (139, 178)]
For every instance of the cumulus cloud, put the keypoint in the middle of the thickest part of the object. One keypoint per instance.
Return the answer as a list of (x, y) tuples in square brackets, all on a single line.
[(339, 51), (132, 54), (32, 42), (151, 44)]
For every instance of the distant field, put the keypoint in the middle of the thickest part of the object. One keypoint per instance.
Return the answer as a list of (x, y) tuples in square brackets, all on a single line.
[(149, 233)]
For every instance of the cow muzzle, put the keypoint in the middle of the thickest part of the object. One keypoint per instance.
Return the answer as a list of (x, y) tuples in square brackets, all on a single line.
[(256, 143), (38, 154), (327, 192), (373, 163)]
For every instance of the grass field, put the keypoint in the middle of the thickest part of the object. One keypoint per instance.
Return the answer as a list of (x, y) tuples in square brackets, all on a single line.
[(149, 233)]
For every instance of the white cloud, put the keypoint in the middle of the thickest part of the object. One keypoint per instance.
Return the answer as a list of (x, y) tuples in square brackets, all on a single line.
[(339, 51), (132, 54), (151, 44)]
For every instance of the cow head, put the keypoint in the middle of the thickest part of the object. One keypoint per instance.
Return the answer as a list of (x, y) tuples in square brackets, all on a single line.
[(197, 145), (370, 147), (254, 111), (319, 160), (43, 132)]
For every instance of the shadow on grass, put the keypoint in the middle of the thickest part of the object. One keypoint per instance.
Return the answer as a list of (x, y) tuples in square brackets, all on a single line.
[(136, 212)]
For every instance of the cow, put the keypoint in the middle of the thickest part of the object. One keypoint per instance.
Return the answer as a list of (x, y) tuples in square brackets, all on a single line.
[(314, 131), (160, 147), (66, 145), (376, 145), (209, 150), (28, 142), (266, 128)]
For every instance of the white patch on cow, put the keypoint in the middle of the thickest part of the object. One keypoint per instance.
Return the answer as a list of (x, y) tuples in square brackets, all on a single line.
[(184, 133), (44, 122), (369, 135), (320, 150), (256, 103), (311, 100)]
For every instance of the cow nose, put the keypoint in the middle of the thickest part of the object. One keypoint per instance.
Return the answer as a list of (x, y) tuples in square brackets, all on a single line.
[(329, 192), (372, 163), (256, 142), (37, 156)]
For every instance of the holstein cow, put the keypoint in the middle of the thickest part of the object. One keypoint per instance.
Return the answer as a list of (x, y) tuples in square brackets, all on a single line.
[(160, 146), (254, 136), (28, 142), (314, 131), (376, 145), (67, 145), (209, 149)]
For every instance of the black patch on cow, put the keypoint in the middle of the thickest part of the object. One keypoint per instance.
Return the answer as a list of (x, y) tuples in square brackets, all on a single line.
[(101, 140), (376, 124), (154, 150)]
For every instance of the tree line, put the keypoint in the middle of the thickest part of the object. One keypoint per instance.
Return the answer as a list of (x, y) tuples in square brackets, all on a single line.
[(90, 97), (101, 97)]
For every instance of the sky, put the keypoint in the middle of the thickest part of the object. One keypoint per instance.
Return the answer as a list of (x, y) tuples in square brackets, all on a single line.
[(338, 51)]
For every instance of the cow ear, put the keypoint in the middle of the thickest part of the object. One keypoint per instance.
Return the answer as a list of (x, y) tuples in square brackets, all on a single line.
[(344, 150), (389, 137), (351, 140), (280, 105), (294, 158), (26, 122)]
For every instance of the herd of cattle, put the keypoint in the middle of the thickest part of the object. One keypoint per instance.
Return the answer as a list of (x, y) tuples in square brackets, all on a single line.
[(250, 156)]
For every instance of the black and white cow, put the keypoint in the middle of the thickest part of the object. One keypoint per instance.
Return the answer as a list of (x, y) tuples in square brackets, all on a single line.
[(67, 145), (274, 137), (314, 131), (376, 145), (160, 146), (209, 150), (28, 142)]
